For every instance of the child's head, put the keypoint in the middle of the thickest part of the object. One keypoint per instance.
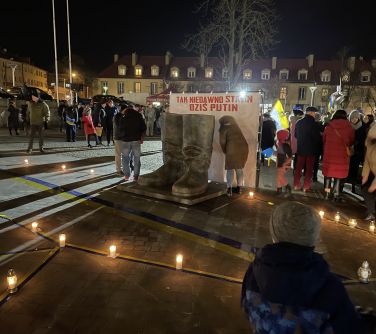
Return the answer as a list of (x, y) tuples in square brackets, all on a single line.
[(283, 135), (296, 223)]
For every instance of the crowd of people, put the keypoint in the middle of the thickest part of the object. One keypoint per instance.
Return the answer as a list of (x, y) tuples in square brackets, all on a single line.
[(336, 141)]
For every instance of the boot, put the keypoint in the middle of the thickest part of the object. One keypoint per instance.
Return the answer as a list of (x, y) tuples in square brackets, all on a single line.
[(198, 131), (229, 192), (288, 190), (279, 191), (173, 167)]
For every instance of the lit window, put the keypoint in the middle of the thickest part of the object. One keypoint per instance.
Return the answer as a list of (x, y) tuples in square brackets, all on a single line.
[(225, 73), (138, 70), (265, 75), (302, 75), (137, 87), (324, 92), (325, 76), (302, 93), (120, 87), (154, 71), (208, 72), (153, 88), (283, 93), (283, 75), (191, 73), (365, 76), (122, 70), (174, 72), (247, 74), (104, 85)]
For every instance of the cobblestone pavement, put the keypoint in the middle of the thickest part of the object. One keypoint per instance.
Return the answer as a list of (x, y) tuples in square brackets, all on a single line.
[(79, 289)]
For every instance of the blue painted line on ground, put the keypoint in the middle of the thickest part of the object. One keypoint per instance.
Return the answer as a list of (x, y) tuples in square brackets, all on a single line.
[(191, 229)]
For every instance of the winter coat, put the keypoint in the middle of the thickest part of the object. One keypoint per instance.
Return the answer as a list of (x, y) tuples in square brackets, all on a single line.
[(87, 121), (308, 136), (293, 142), (38, 113), (110, 113), (13, 118), (289, 289), (233, 143), (99, 115), (268, 133), (335, 160), (132, 125), (119, 128), (70, 115)]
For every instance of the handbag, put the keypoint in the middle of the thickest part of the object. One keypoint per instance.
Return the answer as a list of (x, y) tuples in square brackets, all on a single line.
[(98, 130), (349, 149)]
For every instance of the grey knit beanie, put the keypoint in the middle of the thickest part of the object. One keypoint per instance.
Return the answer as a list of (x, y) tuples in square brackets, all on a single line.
[(296, 223)]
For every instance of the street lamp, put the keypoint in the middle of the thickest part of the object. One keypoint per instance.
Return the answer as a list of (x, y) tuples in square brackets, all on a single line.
[(312, 89)]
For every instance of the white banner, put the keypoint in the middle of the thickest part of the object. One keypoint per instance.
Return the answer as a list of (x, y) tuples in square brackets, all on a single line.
[(244, 109)]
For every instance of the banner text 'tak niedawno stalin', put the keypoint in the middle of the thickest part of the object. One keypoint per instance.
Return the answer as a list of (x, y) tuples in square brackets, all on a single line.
[(245, 113)]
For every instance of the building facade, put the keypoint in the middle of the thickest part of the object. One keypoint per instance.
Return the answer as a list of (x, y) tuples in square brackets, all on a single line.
[(17, 72), (296, 82)]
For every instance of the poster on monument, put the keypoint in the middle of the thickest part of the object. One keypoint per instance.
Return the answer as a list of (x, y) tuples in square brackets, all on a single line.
[(244, 110)]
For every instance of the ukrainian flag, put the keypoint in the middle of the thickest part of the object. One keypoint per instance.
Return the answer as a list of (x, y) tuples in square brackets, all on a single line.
[(279, 116)]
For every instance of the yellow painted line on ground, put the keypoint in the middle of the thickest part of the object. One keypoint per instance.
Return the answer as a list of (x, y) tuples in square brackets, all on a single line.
[(153, 224), (28, 275), (157, 263)]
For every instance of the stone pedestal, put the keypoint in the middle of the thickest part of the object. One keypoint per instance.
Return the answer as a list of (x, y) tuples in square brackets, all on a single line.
[(215, 189)]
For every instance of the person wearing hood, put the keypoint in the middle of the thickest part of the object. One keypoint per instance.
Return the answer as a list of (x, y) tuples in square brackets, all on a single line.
[(289, 288), (235, 148), (338, 137), (359, 148), (284, 155)]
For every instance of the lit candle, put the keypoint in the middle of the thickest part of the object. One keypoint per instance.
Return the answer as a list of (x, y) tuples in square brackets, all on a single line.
[(321, 214), (34, 227), (12, 281), (63, 167), (26, 161), (91, 171), (352, 223), (372, 226), (251, 194), (364, 272), (113, 251), (337, 217), (62, 239), (179, 261)]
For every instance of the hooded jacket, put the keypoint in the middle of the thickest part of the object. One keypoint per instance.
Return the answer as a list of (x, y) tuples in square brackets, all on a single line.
[(38, 113), (289, 288), (233, 143)]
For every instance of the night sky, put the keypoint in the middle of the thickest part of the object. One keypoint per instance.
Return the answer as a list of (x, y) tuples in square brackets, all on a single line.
[(152, 27)]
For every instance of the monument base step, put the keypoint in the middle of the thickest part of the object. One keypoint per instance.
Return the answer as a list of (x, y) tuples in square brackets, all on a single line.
[(215, 189)]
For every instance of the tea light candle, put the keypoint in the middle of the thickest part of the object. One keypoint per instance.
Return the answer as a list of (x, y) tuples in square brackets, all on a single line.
[(372, 226), (337, 217), (62, 239), (26, 161), (364, 272), (63, 167), (113, 251), (352, 223), (92, 171), (321, 214), (251, 194), (179, 261)]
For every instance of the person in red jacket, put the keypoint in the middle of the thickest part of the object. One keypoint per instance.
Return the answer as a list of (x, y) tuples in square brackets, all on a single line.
[(338, 137), (89, 128)]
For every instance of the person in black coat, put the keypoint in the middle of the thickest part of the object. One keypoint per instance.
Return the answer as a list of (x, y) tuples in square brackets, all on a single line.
[(99, 118), (111, 111), (289, 288), (13, 118), (309, 145), (269, 130)]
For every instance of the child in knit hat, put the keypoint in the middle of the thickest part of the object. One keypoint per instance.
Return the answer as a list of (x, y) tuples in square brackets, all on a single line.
[(289, 288), (284, 156)]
